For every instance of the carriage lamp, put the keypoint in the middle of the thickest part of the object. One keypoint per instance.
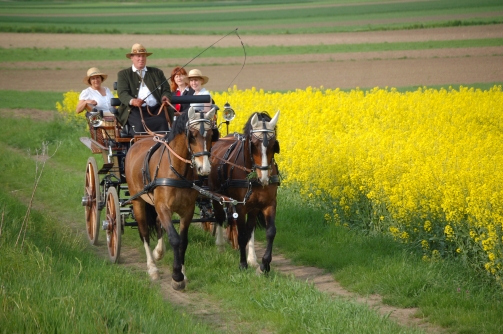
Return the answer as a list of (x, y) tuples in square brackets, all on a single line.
[(95, 117), (228, 112)]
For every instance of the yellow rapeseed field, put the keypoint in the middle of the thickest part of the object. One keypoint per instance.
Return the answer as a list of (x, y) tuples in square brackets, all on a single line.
[(424, 166)]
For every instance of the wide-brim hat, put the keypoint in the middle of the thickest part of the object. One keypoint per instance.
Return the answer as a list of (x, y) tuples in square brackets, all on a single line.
[(138, 49), (195, 73), (91, 73)]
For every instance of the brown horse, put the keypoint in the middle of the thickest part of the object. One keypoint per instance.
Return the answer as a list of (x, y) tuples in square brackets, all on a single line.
[(243, 168), (160, 173)]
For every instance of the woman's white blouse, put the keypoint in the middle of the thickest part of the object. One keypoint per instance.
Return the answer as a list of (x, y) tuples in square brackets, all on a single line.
[(204, 106), (104, 102)]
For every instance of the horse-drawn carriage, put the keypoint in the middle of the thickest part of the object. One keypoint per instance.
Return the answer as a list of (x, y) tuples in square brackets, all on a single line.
[(145, 179)]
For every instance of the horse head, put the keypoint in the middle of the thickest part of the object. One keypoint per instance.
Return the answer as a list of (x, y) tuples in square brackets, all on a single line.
[(199, 135), (261, 131)]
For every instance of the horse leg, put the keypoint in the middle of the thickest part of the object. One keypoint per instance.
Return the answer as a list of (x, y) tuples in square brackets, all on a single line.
[(251, 257), (160, 249), (175, 241), (151, 267), (270, 233), (244, 232), (143, 218), (219, 230), (184, 238)]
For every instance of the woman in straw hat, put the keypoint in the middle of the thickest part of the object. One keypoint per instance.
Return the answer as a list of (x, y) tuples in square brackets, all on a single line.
[(196, 81), (95, 96)]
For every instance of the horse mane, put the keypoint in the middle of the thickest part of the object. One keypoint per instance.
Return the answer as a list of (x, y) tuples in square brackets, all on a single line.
[(179, 126), (263, 115)]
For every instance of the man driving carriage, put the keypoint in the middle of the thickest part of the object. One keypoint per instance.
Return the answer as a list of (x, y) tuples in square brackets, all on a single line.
[(142, 90)]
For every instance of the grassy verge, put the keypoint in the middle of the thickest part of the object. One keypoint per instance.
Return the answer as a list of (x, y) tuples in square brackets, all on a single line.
[(54, 283), (50, 54), (444, 291)]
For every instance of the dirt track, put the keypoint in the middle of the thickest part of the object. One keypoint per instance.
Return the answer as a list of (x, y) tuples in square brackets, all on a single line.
[(341, 70)]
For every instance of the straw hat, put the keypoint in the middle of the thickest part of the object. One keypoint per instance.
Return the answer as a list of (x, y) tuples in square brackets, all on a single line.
[(138, 49), (195, 73), (91, 73)]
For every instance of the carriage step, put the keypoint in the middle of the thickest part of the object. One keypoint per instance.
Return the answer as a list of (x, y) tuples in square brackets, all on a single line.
[(106, 167)]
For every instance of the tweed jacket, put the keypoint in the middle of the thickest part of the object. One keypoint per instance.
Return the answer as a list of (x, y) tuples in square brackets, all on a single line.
[(128, 85)]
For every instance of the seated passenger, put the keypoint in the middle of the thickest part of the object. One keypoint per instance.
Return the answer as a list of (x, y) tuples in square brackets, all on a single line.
[(96, 95), (141, 90), (180, 87), (197, 80)]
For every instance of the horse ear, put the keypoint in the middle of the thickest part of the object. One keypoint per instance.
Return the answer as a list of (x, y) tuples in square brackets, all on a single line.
[(274, 120), (209, 115), (276, 147), (191, 112), (254, 121)]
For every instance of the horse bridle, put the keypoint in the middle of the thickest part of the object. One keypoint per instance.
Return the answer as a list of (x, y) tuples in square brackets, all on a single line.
[(191, 124), (265, 141), (204, 125)]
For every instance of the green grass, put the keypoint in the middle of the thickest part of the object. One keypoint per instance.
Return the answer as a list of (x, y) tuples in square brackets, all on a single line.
[(54, 283), (50, 54), (255, 17), (446, 292), (30, 99)]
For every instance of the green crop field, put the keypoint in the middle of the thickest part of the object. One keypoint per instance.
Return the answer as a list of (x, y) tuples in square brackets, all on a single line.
[(256, 17)]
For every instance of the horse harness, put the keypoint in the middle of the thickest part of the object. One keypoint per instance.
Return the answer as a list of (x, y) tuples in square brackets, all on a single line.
[(238, 148), (181, 181)]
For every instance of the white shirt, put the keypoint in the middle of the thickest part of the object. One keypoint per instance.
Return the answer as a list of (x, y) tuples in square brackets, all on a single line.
[(204, 106), (104, 102), (144, 91)]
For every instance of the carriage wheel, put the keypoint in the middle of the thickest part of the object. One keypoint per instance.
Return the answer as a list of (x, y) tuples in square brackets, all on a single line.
[(113, 225), (91, 200)]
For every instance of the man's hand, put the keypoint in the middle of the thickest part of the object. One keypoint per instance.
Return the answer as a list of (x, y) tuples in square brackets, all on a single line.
[(137, 102), (165, 99)]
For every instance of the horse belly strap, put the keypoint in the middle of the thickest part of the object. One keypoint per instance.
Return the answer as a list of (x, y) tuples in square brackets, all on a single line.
[(177, 183), (244, 183), (237, 183)]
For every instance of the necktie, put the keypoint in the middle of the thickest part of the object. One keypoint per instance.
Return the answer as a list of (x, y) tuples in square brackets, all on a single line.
[(140, 72), (177, 107)]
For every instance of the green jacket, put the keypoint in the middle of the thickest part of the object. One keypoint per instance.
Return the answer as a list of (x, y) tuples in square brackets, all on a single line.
[(128, 85)]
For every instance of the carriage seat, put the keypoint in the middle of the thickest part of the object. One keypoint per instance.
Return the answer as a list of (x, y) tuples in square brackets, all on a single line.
[(124, 130)]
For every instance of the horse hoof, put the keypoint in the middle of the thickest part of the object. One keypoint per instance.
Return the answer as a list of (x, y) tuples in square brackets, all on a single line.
[(243, 266), (178, 286), (154, 275), (259, 271), (253, 264), (265, 268)]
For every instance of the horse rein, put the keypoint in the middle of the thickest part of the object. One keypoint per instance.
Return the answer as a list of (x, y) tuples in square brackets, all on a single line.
[(254, 166), (189, 125)]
